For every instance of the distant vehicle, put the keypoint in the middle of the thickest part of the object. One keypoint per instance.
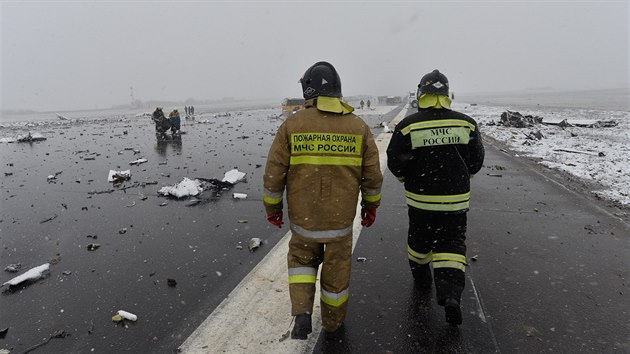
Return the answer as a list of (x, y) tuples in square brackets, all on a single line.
[(412, 99), (292, 104)]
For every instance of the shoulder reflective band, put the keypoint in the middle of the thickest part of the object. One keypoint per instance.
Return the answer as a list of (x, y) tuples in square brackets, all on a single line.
[(420, 258), (321, 234), (438, 202), (441, 123), (302, 275), (334, 299), (439, 136), (272, 198), (326, 143)]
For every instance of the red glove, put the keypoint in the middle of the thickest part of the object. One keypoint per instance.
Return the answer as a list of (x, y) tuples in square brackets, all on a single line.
[(368, 216), (275, 218)]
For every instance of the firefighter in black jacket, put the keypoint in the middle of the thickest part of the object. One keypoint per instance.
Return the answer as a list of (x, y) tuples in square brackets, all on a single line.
[(434, 152)]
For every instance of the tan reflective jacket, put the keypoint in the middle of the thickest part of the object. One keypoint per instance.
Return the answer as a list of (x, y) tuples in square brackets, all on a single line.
[(324, 160)]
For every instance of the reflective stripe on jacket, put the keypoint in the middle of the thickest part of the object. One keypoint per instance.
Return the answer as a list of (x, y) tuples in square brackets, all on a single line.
[(434, 152), (324, 160)]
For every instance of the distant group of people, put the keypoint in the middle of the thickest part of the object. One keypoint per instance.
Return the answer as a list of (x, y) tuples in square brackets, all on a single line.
[(163, 124), (190, 110), (368, 103)]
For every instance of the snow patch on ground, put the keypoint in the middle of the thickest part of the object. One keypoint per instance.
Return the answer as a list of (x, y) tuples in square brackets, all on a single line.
[(605, 157)]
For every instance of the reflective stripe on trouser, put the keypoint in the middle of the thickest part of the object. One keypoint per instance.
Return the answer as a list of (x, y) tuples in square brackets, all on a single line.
[(304, 257), (439, 238)]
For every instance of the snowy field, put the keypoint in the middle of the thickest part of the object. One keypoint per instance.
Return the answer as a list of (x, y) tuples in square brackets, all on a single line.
[(599, 156)]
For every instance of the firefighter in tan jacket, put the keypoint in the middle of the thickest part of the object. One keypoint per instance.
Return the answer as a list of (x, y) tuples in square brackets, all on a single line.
[(324, 156)]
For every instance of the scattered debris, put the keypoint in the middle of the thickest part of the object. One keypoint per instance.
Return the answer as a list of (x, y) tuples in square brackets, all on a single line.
[(32, 274), (124, 315), (239, 195), (49, 219), (58, 334), (30, 138), (185, 188), (122, 231), (93, 246), (600, 154), (475, 258), (494, 175), (361, 259), (253, 244), (242, 221), (171, 282), (233, 176), (3, 332), (131, 205), (138, 161), (517, 120), (118, 176), (193, 202), (13, 268)]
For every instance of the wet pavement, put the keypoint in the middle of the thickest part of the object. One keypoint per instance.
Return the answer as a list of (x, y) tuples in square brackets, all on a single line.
[(548, 272), (550, 275), (143, 242)]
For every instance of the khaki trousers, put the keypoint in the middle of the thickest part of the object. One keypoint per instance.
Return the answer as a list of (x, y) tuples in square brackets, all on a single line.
[(304, 257)]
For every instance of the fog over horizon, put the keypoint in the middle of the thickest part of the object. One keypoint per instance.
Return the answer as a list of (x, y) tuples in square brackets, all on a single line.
[(61, 55)]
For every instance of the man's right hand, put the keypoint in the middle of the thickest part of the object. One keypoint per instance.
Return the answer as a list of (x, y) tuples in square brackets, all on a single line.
[(275, 218)]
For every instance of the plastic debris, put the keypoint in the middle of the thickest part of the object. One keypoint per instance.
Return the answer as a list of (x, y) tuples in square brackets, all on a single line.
[(138, 161), (185, 188), (171, 282), (239, 195), (127, 315), (30, 138), (48, 219), (361, 259), (13, 268), (31, 274), (233, 176), (93, 246), (118, 176), (253, 244)]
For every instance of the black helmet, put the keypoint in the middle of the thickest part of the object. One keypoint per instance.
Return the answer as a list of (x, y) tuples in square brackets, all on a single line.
[(321, 79), (434, 83)]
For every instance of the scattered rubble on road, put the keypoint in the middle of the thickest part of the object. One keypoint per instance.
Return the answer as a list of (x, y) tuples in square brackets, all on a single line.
[(253, 244), (32, 274)]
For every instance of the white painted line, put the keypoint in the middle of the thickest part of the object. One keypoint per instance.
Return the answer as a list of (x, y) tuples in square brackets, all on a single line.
[(257, 313)]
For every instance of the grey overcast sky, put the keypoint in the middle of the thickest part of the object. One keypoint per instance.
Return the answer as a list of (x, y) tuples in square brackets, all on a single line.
[(86, 54)]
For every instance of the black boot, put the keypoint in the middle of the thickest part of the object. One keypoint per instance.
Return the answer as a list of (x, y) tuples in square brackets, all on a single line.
[(453, 312), (302, 327)]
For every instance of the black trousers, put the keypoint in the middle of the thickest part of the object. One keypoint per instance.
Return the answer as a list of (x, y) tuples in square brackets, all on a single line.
[(438, 239)]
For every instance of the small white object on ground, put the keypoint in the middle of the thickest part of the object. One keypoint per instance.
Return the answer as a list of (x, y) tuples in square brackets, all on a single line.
[(253, 244), (127, 315), (126, 173), (233, 176), (138, 161), (239, 195), (31, 274), (187, 187)]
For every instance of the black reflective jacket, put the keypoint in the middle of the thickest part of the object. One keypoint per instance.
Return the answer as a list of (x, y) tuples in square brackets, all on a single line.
[(435, 151)]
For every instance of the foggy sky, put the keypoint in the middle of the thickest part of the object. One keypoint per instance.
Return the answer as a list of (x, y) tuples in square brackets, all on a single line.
[(83, 55)]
